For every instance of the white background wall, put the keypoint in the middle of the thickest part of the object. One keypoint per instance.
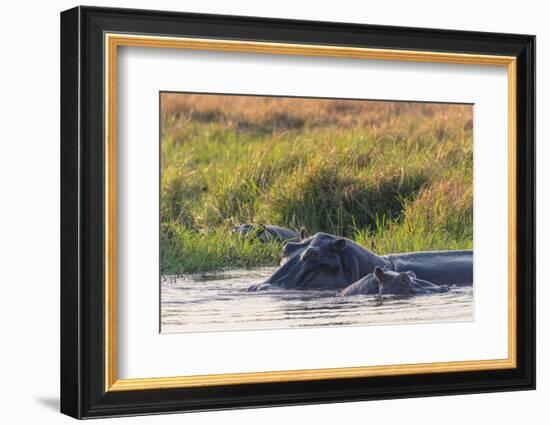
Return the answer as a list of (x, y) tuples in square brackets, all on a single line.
[(29, 212)]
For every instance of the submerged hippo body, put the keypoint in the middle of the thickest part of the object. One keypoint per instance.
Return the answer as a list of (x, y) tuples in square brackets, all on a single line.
[(266, 232), (438, 267), (324, 261), (387, 282)]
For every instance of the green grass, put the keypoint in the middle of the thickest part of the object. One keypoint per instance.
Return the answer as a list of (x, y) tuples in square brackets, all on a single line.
[(187, 251), (393, 177)]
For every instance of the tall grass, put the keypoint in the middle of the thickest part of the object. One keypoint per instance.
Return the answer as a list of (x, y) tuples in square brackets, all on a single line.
[(188, 251), (393, 176)]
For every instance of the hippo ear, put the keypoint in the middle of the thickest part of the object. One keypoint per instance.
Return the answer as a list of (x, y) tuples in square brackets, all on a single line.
[(339, 244), (379, 274), (304, 234)]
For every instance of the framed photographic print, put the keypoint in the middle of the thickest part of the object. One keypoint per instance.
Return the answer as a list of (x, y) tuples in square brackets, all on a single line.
[(261, 212)]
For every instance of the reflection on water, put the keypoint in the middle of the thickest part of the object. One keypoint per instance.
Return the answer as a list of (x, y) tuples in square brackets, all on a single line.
[(220, 302)]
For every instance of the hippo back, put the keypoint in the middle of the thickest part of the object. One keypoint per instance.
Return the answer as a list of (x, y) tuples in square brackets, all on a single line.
[(278, 233), (439, 267)]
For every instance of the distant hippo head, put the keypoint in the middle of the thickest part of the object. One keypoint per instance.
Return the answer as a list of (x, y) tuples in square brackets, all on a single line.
[(387, 282), (321, 261), (243, 229), (265, 232)]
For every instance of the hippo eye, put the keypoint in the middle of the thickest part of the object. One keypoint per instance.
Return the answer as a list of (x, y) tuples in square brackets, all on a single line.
[(403, 278), (311, 256)]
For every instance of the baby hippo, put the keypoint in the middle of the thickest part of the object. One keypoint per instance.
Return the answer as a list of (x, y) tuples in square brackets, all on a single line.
[(387, 282)]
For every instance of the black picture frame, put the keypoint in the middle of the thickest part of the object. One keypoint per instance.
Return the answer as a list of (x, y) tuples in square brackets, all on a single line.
[(83, 392)]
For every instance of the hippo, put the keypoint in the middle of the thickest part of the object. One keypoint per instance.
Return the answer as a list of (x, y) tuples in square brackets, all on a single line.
[(325, 261), (266, 232), (382, 282)]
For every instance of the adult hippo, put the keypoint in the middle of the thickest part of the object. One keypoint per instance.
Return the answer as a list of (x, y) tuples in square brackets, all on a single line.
[(266, 232), (387, 282), (325, 261)]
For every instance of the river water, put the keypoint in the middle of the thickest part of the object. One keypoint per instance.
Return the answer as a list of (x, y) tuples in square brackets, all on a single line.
[(220, 302)]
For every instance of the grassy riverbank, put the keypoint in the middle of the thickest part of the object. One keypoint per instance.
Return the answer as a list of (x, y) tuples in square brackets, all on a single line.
[(392, 176)]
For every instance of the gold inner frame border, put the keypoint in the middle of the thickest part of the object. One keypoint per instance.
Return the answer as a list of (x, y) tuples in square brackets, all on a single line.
[(111, 43)]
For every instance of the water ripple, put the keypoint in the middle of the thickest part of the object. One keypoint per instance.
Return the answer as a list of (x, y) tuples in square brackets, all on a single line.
[(220, 302)]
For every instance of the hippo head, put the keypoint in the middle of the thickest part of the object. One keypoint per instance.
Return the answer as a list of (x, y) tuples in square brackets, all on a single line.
[(401, 283), (321, 261), (243, 229), (259, 231)]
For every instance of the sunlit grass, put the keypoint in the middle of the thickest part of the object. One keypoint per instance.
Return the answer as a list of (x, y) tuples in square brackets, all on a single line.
[(393, 176)]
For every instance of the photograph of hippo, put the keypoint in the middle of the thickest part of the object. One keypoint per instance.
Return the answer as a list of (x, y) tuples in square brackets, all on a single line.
[(288, 212)]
